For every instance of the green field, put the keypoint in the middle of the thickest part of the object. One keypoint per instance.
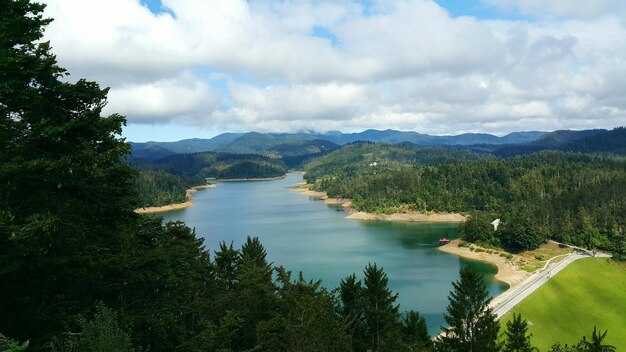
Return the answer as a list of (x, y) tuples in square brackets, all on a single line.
[(588, 292)]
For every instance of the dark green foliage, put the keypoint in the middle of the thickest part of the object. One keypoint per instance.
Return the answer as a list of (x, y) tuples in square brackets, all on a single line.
[(157, 187), (519, 234), (478, 228), (596, 344), (307, 320), (370, 159), (165, 181), (586, 141), (9, 345), (415, 332), (370, 315), (217, 165), (516, 335), (380, 312), (103, 333), (64, 194), (472, 326)]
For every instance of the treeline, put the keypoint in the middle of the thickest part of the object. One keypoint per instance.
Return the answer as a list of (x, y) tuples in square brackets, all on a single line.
[(576, 198), (164, 181), (217, 165), (366, 158), (157, 187), (238, 301)]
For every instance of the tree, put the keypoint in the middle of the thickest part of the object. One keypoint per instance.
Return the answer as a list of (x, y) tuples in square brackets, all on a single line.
[(597, 342), (101, 334), (352, 305), (472, 325), (255, 299), (415, 332), (380, 312), (65, 194), (516, 337), (478, 228), (9, 345)]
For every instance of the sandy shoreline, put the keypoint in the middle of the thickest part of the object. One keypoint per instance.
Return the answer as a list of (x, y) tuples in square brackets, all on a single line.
[(508, 271), (353, 214), (189, 195)]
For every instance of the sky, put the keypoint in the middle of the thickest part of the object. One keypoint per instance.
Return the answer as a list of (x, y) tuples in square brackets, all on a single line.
[(195, 68)]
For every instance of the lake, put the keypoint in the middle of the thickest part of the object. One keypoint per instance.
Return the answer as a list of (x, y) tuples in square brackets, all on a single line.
[(306, 235)]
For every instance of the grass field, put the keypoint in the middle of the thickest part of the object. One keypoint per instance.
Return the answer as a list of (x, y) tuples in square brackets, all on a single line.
[(588, 292)]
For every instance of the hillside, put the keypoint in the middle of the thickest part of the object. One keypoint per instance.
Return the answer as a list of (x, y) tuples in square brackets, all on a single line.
[(218, 165), (586, 141), (255, 142), (192, 145), (164, 181), (369, 158), (294, 155), (259, 143), (571, 197)]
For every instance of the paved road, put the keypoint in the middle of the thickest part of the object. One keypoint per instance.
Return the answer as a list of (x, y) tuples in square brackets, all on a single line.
[(505, 302)]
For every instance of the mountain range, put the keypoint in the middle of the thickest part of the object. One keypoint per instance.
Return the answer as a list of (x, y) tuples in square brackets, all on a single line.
[(294, 149), (255, 142)]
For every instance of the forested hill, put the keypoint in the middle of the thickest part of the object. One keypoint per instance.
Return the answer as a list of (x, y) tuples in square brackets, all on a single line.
[(570, 197), (587, 141), (363, 158), (260, 143), (164, 181)]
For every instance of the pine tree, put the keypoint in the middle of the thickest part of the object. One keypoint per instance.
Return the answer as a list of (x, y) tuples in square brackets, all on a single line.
[(381, 314), (415, 332), (352, 305), (65, 194), (472, 325), (516, 336), (596, 344)]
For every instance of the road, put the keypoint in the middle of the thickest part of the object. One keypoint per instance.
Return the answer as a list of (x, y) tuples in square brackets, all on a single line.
[(509, 299)]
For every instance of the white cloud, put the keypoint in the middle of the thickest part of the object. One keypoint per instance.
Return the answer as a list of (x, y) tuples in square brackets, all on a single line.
[(401, 64), (180, 98)]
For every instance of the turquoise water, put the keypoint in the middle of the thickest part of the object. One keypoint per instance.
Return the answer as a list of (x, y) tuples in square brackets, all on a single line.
[(306, 235)]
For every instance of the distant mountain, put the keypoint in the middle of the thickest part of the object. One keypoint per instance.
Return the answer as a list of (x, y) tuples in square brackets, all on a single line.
[(266, 143), (394, 137), (192, 145), (149, 151), (295, 154), (613, 141), (585, 141), (255, 142), (216, 164)]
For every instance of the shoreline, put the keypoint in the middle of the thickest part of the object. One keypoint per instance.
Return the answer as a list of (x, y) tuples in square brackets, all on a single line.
[(354, 214), (248, 179), (508, 271), (176, 206)]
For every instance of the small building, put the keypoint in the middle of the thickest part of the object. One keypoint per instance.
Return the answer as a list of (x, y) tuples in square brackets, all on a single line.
[(443, 241), (495, 224), (374, 164)]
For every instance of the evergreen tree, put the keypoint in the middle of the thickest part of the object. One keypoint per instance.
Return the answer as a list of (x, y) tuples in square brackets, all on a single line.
[(415, 332), (516, 337), (255, 299), (65, 194), (380, 312), (352, 305), (472, 325), (596, 344)]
